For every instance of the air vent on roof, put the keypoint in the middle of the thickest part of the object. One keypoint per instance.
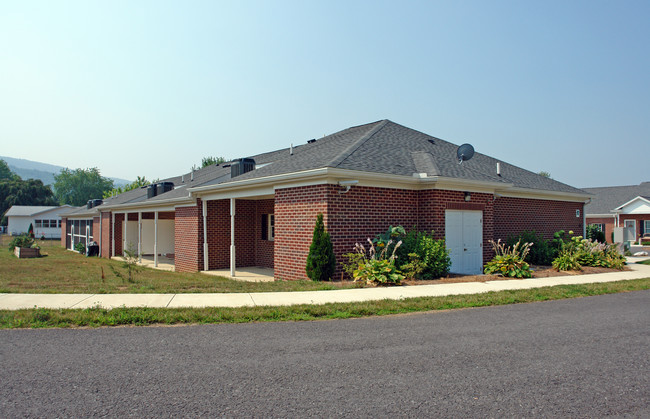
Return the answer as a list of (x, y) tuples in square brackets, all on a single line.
[(241, 166), (313, 140), (151, 191), (163, 187), (93, 203), (89, 204)]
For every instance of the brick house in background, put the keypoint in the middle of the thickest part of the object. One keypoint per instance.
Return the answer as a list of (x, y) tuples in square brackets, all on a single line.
[(260, 211), (620, 206)]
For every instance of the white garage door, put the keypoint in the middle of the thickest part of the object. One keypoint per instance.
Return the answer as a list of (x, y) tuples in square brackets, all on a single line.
[(464, 239)]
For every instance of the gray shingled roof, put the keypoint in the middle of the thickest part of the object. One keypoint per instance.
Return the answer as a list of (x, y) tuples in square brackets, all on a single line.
[(387, 147), (606, 199), (27, 210), (378, 147)]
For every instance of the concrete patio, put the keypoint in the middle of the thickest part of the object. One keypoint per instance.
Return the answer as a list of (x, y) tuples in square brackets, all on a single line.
[(250, 274), (164, 263)]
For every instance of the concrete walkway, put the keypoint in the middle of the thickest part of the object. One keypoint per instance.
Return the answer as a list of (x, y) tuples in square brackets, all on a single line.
[(55, 301)]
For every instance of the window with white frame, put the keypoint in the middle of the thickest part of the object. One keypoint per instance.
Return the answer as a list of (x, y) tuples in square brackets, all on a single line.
[(268, 227), (38, 224), (600, 226), (646, 229)]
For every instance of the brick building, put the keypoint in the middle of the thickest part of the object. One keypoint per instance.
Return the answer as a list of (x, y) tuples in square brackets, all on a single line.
[(620, 206), (260, 211)]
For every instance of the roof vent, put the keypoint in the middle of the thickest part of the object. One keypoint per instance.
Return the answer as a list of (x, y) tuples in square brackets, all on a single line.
[(93, 203), (498, 169), (241, 166), (163, 187), (313, 140), (89, 204), (151, 191)]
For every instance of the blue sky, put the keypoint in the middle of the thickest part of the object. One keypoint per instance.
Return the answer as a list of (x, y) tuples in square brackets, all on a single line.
[(150, 87)]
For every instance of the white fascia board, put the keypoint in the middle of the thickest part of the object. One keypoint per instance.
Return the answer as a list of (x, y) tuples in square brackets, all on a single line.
[(160, 206), (515, 192), (610, 215), (620, 208)]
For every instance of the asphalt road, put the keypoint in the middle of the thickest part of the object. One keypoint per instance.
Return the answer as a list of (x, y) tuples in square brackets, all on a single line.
[(584, 357)]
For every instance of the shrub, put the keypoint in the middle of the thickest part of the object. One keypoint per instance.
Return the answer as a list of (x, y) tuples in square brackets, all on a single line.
[(434, 255), (414, 267), (377, 267), (320, 260), (509, 260), (566, 261), (23, 240), (351, 263), (541, 252), (80, 247), (595, 234), (130, 265)]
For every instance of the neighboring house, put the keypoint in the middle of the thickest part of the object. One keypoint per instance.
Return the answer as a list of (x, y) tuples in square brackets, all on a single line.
[(45, 220), (620, 206), (260, 211)]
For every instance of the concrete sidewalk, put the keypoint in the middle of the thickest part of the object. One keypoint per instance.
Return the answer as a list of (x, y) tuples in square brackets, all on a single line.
[(55, 301)]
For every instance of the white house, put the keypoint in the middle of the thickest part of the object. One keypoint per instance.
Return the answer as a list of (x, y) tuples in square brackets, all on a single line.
[(46, 220)]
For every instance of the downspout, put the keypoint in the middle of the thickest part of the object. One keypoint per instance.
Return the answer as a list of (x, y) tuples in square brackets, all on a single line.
[(140, 236), (155, 239), (584, 218), (100, 234)]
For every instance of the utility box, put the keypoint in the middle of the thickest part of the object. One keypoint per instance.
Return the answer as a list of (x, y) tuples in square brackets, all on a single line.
[(618, 235)]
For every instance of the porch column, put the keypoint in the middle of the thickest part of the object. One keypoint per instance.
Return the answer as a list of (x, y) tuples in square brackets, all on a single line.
[(126, 220), (140, 236), (100, 234), (72, 236), (113, 235), (155, 239), (232, 236), (205, 236)]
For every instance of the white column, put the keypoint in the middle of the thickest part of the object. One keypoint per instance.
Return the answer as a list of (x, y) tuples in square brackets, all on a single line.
[(205, 236), (155, 239), (140, 236), (113, 235), (72, 236), (232, 236), (126, 220)]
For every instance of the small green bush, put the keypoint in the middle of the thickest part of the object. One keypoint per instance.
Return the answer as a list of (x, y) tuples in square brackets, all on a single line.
[(433, 255), (541, 252), (414, 268), (566, 261), (24, 240), (595, 234), (80, 247), (509, 261), (321, 261), (351, 263), (378, 272), (579, 252)]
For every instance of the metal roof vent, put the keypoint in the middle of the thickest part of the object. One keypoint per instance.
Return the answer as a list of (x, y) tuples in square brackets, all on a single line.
[(241, 166), (313, 140)]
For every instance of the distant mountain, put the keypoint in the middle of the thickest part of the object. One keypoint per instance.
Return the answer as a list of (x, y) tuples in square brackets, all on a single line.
[(28, 169)]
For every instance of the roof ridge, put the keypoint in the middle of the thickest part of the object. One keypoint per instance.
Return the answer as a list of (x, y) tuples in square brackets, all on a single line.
[(356, 144)]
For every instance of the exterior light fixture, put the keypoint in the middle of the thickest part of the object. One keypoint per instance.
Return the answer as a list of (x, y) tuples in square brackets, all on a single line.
[(468, 196)]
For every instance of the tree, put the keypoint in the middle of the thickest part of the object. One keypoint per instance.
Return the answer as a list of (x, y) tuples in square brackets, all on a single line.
[(6, 173), (76, 187), (545, 174), (24, 192), (138, 183), (208, 161), (321, 261)]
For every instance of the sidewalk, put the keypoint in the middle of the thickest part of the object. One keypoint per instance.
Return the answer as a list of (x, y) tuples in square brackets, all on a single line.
[(56, 301)]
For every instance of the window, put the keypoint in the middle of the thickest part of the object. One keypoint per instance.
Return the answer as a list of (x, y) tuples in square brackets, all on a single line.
[(38, 223), (46, 223), (600, 226), (53, 224), (268, 227), (646, 230), (59, 223)]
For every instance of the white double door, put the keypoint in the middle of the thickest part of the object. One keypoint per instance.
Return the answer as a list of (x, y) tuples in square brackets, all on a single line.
[(464, 239)]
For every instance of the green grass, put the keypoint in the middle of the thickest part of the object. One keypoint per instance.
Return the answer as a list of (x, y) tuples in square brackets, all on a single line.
[(645, 262), (63, 271), (96, 317)]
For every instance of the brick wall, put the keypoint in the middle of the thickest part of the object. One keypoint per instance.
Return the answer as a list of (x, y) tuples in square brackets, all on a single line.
[(105, 244), (119, 229), (295, 217), (64, 231), (250, 249), (514, 215), (188, 238)]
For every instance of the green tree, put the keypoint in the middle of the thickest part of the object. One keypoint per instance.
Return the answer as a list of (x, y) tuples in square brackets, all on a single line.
[(24, 192), (76, 187), (138, 183), (208, 161), (321, 261), (6, 173)]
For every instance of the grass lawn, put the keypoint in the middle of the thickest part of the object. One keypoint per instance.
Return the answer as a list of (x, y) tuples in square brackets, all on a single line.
[(64, 271), (645, 262), (96, 317)]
